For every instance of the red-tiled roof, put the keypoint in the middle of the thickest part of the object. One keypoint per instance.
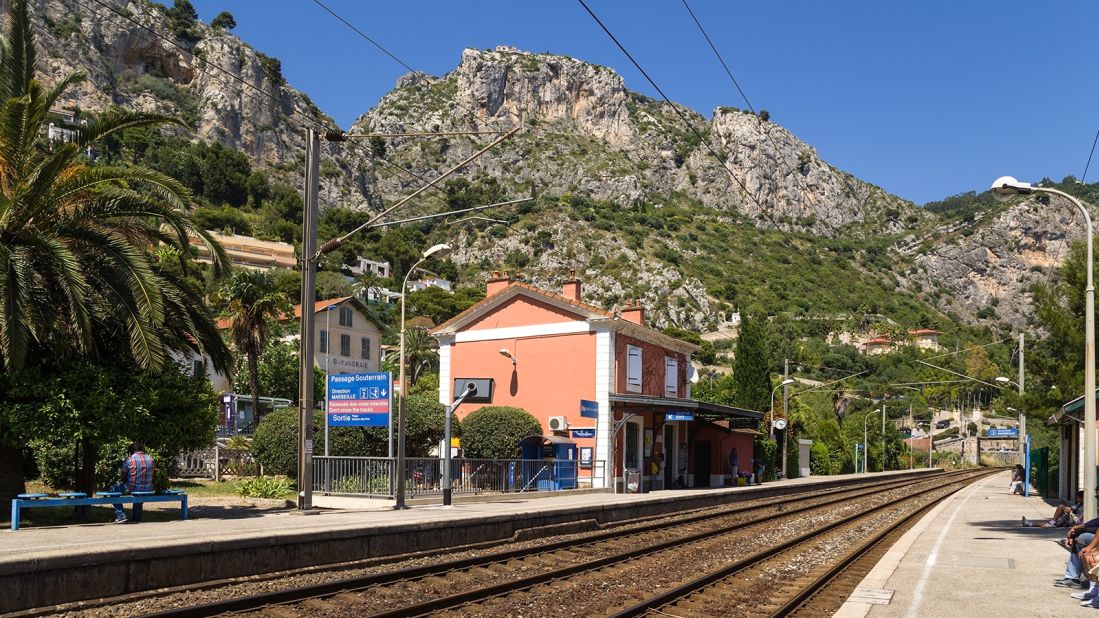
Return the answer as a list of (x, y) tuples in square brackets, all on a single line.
[(879, 340), (923, 331), (319, 306)]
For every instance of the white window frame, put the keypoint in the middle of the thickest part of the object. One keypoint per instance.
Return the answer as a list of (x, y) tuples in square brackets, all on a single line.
[(634, 369), (671, 376)]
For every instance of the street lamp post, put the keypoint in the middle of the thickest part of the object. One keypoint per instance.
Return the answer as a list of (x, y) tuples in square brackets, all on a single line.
[(771, 422), (1003, 188), (435, 251), (866, 451)]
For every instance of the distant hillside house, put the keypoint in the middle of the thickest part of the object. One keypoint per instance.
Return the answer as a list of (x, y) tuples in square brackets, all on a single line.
[(877, 345), (925, 339), (248, 252), (381, 269), (430, 282)]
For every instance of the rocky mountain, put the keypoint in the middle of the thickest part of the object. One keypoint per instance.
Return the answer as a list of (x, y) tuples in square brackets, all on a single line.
[(643, 198)]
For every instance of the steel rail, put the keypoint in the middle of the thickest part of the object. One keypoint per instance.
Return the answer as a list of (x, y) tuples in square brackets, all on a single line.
[(313, 591), (679, 592)]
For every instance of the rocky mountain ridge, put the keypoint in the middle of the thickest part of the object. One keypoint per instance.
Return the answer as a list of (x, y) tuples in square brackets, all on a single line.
[(628, 192)]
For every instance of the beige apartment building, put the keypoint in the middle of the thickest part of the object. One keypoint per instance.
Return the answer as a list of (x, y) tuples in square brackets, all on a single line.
[(248, 252)]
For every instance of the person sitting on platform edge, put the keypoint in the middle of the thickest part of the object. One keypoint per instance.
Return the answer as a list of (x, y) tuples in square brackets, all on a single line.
[(1018, 477), (1077, 538), (137, 475), (1064, 515)]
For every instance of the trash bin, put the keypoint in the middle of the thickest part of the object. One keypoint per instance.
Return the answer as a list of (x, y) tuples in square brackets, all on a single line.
[(633, 481)]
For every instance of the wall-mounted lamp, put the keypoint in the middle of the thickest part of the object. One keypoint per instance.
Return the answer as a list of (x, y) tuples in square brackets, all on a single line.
[(506, 353)]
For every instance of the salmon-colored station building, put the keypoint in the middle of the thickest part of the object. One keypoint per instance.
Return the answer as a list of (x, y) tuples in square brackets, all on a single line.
[(552, 355)]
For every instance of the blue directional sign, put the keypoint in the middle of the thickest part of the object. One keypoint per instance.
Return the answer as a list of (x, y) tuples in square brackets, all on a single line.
[(589, 409), (680, 415), (359, 399), (583, 433), (1003, 433)]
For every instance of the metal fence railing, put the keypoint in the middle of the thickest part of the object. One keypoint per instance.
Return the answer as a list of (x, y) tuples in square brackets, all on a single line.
[(375, 476)]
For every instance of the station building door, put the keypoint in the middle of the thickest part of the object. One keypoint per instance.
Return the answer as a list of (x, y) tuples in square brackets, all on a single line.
[(670, 456), (702, 463)]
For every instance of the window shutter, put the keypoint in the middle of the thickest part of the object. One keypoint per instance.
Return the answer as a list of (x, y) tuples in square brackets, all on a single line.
[(633, 369), (366, 348), (324, 342), (345, 345), (671, 377)]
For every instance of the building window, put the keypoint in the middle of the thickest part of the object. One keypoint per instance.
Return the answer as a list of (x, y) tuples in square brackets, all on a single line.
[(198, 368), (633, 369), (324, 341), (345, 316), (345, 345), (633, 453), (671, 377), (366, 348)]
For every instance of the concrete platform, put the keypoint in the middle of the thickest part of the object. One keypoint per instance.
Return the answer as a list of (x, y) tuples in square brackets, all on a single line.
[(970, 557), (50, 565)]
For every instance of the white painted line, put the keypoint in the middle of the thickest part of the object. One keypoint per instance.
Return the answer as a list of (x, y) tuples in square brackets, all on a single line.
[(917, 592)]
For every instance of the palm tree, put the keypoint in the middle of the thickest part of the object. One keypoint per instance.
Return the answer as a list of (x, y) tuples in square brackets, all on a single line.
[(76, 270), (253, 302), (78, 277), (421, 352)]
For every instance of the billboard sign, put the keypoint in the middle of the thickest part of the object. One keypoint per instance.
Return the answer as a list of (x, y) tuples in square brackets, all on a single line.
[(359, 399), (589, 409)]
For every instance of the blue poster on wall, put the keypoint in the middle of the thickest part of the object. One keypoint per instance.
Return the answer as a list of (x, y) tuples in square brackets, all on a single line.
[(359, 399)]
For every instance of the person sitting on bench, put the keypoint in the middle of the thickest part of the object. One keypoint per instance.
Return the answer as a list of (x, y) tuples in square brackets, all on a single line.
[(137, 476)]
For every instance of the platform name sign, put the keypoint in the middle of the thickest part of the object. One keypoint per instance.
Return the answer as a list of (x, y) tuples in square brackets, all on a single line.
[(1003, 433), (589, 409), (679, 416), (359, 399)]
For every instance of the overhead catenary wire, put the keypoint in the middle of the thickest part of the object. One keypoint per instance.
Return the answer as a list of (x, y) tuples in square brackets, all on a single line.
[(690, 127)]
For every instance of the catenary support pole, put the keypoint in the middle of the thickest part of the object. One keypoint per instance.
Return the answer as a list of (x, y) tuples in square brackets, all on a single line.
[(1022, 391), (308, 282), (785, 414)]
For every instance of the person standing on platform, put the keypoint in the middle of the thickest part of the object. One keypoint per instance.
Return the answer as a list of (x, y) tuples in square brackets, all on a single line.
[(734, 465), (760, 467), (137, 475)]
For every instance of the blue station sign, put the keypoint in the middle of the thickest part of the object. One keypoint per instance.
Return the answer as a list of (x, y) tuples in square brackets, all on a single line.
[(1003, 433), (359, 399), (583, 433), (679, 415), (589, 409)]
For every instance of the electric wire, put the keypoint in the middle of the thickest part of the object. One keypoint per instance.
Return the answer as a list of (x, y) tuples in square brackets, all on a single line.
[(675, 108)]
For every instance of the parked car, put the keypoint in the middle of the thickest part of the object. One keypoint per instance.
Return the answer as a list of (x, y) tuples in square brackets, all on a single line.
[(942, 424)]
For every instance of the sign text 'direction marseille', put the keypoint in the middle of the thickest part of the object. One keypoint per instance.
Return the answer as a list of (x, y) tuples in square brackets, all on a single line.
[(359, 399)]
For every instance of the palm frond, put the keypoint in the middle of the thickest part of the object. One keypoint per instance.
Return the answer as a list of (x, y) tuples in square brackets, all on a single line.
[(20, 57), (116, 120)]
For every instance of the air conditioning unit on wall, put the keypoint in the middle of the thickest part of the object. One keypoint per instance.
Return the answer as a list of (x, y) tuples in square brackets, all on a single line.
[(558, 423)]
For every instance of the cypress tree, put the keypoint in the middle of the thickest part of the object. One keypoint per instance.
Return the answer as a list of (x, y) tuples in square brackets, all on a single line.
[(751, 367)]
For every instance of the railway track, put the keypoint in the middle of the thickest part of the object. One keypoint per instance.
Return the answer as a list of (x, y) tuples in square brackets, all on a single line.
[(611, 566)]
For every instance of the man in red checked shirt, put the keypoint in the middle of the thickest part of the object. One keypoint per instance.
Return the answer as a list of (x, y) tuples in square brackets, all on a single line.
[(137, 475)]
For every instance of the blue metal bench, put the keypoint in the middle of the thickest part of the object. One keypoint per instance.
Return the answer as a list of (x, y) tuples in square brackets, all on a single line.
[(28, 501)]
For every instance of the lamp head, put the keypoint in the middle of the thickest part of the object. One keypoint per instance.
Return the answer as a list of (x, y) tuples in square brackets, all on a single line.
[(787, 382), (1003, 380), (438, 252), (506, 353), (1004, 187)]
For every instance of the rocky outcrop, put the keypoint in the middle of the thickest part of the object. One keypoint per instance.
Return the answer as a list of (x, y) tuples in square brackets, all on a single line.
[(985, 271), (584, 132), (226, 90)]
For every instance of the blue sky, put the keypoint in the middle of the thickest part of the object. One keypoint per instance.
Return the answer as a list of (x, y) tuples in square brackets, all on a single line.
[(925, 100)]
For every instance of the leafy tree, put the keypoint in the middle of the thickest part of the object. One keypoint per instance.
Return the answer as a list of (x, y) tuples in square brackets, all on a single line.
[(80, 415), (278, 373), (494, 432), (440, 305), (182, 18), (224, 20), (751, 367), (333, 285), (253, 304)]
